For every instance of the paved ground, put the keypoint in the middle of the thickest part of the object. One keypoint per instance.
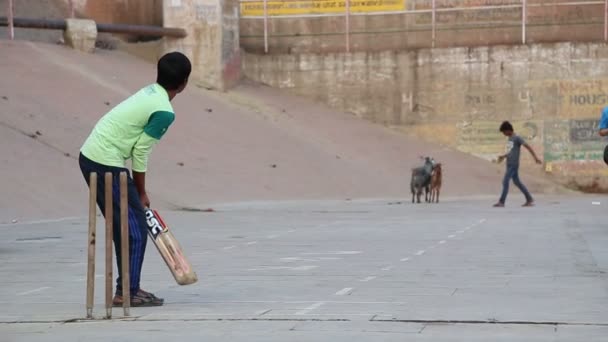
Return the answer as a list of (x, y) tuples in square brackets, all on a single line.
[(333, 271)]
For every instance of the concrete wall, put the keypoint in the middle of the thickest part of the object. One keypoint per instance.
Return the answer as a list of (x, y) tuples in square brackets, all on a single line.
[(141, 12), (470, 27), (553, 93), (212, 43)]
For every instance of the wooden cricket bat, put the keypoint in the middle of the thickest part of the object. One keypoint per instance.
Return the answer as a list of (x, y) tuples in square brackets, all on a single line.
[(169, 249)]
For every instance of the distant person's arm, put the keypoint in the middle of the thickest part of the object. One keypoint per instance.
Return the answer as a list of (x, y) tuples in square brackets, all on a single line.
[(501, 157), (504, 155), (529, 148)]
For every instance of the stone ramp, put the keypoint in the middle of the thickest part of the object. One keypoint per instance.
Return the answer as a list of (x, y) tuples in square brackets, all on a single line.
[(253, 143)]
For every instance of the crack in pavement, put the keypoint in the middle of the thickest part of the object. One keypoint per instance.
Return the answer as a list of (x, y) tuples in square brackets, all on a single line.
[(492, 321), (287, 319), (134, 319)]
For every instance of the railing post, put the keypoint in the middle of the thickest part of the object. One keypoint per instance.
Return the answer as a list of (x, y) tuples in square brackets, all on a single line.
[(347, 25), (434, 22), (11, 27), (524, 18), (72, 9), (265, 26), (606, 21)]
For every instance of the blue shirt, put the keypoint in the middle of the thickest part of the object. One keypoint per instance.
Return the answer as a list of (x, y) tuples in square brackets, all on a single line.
[(513, 147), (604, 119)]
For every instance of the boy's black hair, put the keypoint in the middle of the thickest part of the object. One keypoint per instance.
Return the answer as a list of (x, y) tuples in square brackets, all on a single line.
[(506, 126), (173, 70)]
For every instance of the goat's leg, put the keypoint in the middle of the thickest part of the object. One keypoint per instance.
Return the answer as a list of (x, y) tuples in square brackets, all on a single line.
[(437, 195), (412, 188)]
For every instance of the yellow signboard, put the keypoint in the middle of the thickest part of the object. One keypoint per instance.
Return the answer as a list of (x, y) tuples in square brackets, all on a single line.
[(308, 7)]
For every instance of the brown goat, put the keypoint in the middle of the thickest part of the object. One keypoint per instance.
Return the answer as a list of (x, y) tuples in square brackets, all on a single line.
[(436, 183)]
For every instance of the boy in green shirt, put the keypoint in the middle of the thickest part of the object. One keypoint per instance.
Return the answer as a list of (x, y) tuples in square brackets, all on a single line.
[(129, 131)]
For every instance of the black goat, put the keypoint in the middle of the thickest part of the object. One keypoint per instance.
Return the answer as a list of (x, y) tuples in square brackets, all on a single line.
[(421, 179)]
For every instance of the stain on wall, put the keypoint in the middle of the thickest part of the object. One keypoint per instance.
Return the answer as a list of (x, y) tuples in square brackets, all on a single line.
[(212, 42), (575, 140), (486, 16), (483, 138), (552, 93), (141, 12)]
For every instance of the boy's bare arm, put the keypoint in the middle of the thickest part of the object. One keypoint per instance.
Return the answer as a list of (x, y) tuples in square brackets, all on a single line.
[(538, 161), (139, 178), (603, 132)]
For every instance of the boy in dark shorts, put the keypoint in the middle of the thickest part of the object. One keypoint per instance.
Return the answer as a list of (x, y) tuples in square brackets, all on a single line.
[(512, 155), (129, 131)]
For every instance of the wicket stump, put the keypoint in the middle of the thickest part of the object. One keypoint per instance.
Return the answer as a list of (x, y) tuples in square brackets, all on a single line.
[(124, 243)]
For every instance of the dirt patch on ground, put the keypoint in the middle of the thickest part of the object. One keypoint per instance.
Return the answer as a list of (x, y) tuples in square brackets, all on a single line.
[(593, 187)]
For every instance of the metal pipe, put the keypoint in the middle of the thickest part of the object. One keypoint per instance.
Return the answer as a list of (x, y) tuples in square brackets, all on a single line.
[(50, 24), (265, 26), (142, 30), (524, 18), (11, 26), (347, 25), (434, 22)]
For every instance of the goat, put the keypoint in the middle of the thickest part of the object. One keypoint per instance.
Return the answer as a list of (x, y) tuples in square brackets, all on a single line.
[(421, 178), (436, 182), (429, 164), (417, 183)]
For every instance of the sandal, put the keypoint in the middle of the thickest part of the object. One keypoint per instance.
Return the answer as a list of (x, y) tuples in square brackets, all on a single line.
[(150, 296), (139, 299)]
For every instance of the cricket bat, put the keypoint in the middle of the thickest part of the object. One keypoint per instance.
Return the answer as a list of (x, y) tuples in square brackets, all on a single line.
[(169, 249)]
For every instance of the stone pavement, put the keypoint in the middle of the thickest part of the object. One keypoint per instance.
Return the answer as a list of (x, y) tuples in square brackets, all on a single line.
[(365, 270)]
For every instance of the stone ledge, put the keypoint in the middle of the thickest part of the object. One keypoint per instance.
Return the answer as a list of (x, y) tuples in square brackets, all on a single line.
[(80, 34)]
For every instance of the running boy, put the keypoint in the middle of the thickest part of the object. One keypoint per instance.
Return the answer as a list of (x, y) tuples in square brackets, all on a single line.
[(129, 131), (512, 155)]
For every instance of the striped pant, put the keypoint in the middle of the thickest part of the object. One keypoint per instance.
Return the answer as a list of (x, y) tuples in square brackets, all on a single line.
[(137, 219)]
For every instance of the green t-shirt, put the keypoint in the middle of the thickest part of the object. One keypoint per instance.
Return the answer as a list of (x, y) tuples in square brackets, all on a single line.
[(131, 129)]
